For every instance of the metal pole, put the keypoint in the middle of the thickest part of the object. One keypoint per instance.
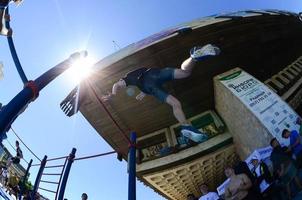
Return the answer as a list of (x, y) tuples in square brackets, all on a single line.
[(24, 179), (14, 52), (31, 90), (66, 173), (38, 179), (132, 167)]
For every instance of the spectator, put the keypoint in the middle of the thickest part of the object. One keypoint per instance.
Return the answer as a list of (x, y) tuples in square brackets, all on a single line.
[(263, 178), (238, 187), (18, 157), (206, 195), (284, 169), (191, 197), (84, 196), (295, 144), (4, 176), (243, 168), (299, 122)]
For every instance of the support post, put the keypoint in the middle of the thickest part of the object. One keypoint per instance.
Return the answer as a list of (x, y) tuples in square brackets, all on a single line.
[(38, 178), (132, 167), (66, 174), (24, 178)]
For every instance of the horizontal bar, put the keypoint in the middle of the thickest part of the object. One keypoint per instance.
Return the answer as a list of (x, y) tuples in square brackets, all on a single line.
[(53, 166), (47, 190), (34, 165), (52, 182), (58, 158), (51, 174), (97, 155)]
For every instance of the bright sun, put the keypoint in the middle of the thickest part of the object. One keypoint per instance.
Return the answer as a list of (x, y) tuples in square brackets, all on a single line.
[(80, 69)]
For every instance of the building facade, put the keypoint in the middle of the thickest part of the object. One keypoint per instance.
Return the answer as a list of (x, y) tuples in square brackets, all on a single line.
[(266, 44)]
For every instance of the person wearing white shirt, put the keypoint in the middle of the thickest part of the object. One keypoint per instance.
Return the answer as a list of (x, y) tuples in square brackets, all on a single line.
[(206, 195)]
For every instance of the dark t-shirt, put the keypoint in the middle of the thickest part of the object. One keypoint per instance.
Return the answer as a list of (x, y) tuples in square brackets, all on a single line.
[(136, 78), (19, 153), (278, 157)]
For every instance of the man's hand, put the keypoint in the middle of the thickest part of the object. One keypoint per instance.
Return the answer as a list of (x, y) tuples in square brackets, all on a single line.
[(107, 96), (140, 96)]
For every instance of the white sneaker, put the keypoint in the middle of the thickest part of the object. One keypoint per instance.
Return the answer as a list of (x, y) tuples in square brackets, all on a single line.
[(200, 53)]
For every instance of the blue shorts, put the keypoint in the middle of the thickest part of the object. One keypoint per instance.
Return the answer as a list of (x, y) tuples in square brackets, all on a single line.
[(153, 81)]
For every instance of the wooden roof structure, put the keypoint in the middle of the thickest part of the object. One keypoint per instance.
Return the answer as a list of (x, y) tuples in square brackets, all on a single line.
[(259, 42)]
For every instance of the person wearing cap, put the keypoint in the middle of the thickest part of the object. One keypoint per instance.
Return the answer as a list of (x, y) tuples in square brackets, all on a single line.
[(150, 81), (263, 177)]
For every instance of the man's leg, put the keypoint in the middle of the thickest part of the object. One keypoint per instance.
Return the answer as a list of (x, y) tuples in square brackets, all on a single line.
[(187, 130), (197, 54), (177, 109)]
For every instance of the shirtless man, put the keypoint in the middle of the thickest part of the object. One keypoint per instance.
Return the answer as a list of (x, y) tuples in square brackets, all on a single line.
[(150, 82), (238, 187), (3, 18)]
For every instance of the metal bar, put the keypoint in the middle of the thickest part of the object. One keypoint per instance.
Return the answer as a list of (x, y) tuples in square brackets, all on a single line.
[(58, 158), (47, 190), (19, 103), (132, 167), (97, 155), (66, 174), (51, 174), (35, 165), (38, 178), (54, 166), (24, 179), (52, 182), (14, 53), (60, 178)]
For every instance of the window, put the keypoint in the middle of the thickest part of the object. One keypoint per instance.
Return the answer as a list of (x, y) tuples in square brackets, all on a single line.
[(153, 145)]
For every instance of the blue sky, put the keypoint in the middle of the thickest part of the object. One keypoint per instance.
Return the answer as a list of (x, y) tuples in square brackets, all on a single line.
[(46, 32)]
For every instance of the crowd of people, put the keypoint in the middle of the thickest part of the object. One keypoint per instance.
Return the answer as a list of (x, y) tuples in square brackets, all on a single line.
[(278, 178)]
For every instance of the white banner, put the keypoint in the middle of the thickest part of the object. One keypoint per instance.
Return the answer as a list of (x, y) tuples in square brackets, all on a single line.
[(268, 107)]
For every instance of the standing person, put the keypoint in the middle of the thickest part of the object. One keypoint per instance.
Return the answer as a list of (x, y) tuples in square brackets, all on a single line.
[(295, 144), (18, 157), (239, 186), (206, 195), (284, 169), (263, 178), (84, 196), (4, 176), (150, 81)]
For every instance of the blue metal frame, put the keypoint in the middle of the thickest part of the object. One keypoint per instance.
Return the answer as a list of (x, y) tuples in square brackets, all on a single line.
[(18, 104), (66, 174), (38, 178), (24, 179), (132, 167), (14, 52)]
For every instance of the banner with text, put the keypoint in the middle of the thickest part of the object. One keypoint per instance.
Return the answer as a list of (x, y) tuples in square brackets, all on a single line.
[(268, 107)]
